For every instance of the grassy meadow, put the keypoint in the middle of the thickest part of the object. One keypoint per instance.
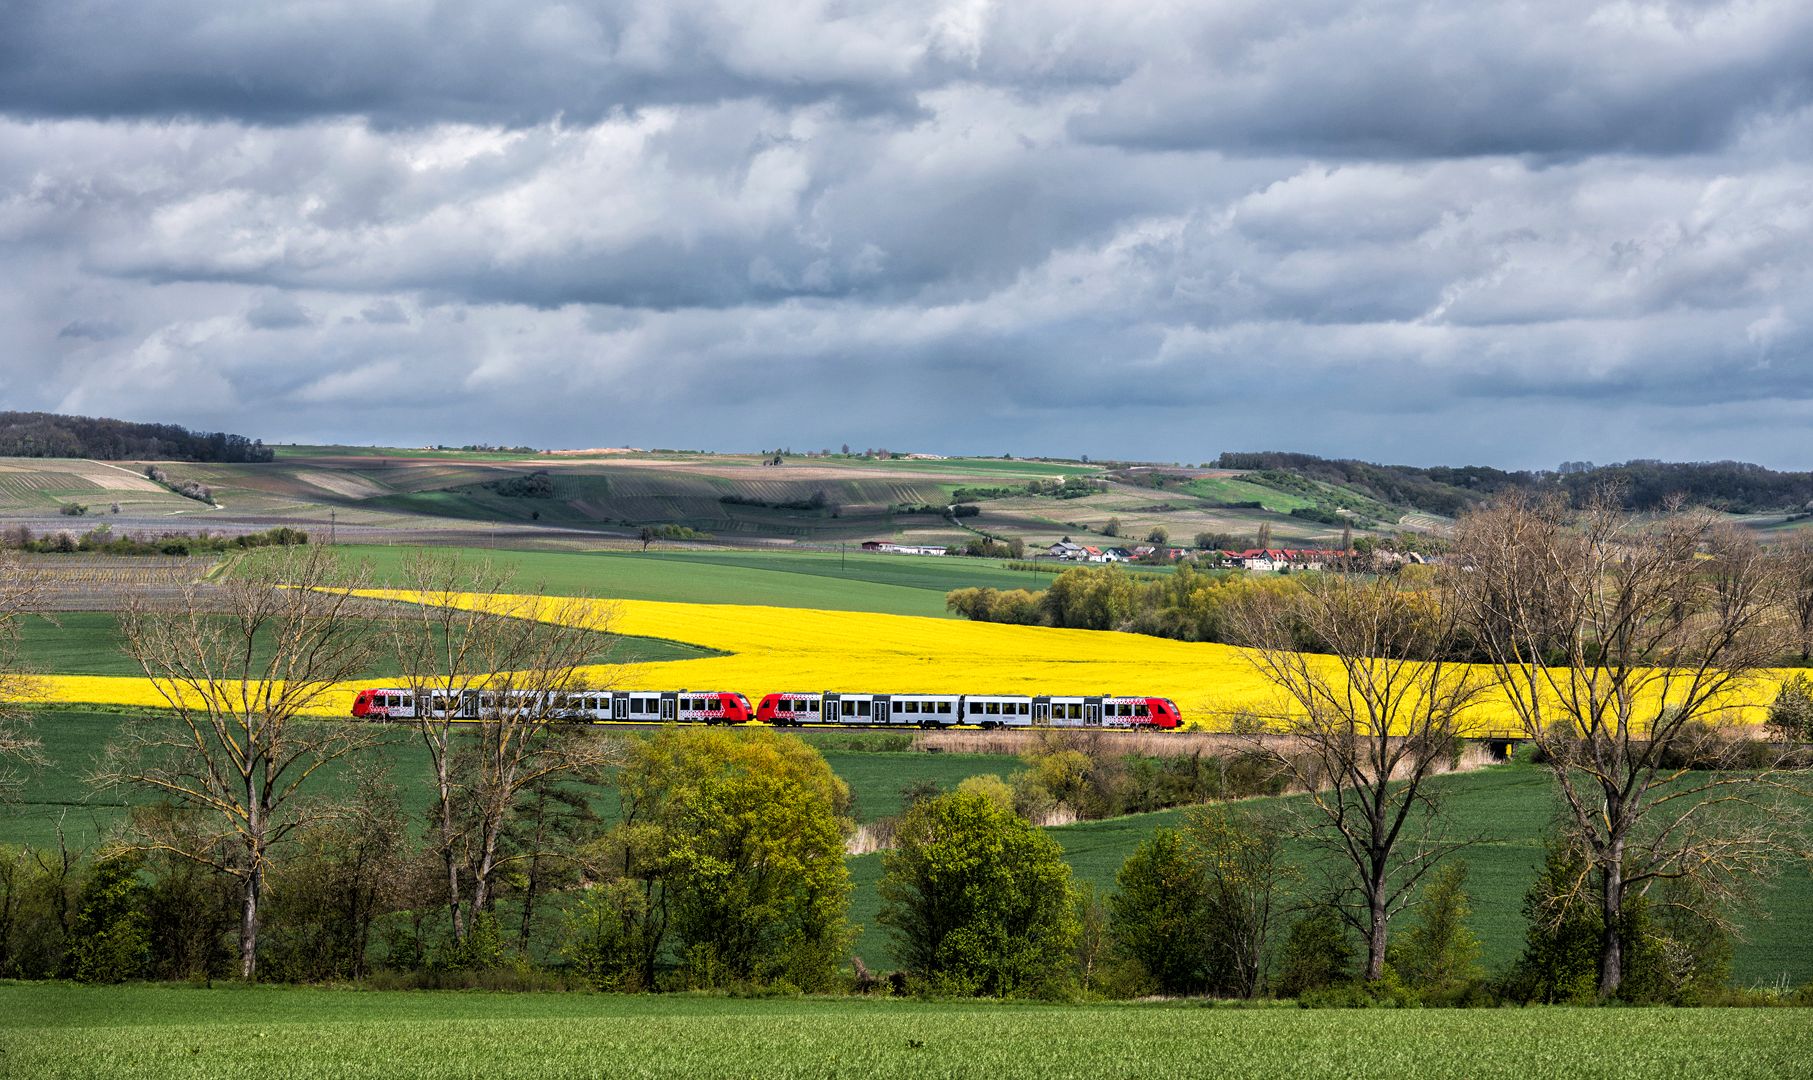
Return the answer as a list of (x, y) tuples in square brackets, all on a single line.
[(177, 1032), (834, 581)]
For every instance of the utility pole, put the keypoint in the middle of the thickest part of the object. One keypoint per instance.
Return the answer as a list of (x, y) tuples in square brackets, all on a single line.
[(841, 557)]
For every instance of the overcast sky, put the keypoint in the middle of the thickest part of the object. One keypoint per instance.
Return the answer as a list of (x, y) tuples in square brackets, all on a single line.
[(1403, 231)]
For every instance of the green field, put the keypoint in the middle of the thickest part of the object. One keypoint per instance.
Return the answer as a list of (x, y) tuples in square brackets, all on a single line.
[(89, 643), (171, 1032), (836, 581), (57, 794), (1225, 490)]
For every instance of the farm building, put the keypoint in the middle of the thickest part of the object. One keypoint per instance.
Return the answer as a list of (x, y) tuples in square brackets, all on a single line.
[(904, 549)]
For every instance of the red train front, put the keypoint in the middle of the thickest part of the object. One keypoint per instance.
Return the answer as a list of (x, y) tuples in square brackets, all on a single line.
[(1164, 713)]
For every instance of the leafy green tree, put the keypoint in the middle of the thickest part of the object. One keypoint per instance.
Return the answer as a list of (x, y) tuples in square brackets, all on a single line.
[(1318, 951), (553, 819), (1112, 528), (1438, 952), (1242, 866), (1159, 535), (110, 940), (979, 901), (737, 839), (1159, 913)]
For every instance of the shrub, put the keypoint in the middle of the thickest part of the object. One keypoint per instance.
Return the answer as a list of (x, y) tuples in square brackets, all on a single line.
[(1318, 952), (1438, 953), (1791, 716)]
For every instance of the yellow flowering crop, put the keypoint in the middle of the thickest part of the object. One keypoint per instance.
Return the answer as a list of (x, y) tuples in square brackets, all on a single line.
[(775, 649)]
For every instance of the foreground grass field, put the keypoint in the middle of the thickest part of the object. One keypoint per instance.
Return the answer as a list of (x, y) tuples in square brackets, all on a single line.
[(68, 1031)]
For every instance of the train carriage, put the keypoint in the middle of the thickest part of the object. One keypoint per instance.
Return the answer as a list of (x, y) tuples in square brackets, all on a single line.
[(579, 706), (843, 709)]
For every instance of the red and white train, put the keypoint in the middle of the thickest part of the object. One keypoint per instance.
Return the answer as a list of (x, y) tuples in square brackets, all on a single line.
[(980, 710), (813, 709)]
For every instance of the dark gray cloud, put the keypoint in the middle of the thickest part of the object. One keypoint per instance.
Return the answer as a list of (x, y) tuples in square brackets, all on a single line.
[(1409, 231)]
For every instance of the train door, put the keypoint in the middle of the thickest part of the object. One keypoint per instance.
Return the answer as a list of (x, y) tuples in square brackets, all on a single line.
[(620, 706), (1041, 712), (831, 709), (1092, 712), (881, 709), (669, 703)]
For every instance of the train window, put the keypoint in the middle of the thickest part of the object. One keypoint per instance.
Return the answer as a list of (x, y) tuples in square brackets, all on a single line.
[(1075, 711), (847, 707), (862, 708), (1025, 708), (944, 707), (993, 708), (911, 707), (1141, 710)]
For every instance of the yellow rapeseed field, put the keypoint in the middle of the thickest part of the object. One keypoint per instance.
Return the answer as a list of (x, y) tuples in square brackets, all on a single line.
[(778, 649)]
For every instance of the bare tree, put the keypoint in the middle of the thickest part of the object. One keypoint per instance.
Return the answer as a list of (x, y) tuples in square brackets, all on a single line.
[(239, 666), (516, 658), (20, 598), (1796, 558), (1625, 647), (1374, 719)]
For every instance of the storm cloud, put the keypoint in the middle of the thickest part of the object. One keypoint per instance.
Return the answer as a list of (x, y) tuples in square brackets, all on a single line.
[(1410, 231)]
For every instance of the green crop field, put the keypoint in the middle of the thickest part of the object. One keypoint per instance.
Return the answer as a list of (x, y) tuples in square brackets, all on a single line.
[(849, 581), (89, 643), (1220, 489), (170, 1032)]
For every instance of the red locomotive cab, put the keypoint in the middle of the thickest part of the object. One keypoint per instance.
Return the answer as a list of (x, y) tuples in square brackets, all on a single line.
[(736, 708), (362, 706), (1164, 713), (765, 712)]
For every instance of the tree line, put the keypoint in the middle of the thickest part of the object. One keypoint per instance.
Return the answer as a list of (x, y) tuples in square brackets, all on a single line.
[(1195, 605), (102, 540), (262, 843), (53, 435), (1642, 485)]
